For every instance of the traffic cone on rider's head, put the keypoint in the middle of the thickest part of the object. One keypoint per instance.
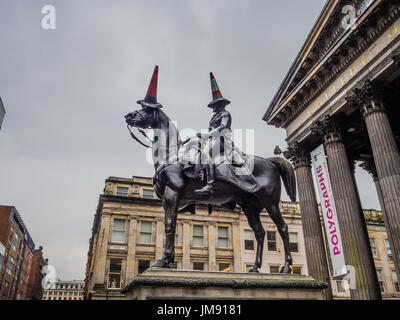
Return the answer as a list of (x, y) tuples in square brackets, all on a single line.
[(218, 99), (150, 100)]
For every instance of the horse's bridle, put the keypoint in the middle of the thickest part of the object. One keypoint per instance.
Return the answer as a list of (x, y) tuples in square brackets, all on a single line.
[(141, 130)]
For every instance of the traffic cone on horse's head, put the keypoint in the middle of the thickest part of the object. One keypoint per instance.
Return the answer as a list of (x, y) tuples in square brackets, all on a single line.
[(150, 100), (218, 99)]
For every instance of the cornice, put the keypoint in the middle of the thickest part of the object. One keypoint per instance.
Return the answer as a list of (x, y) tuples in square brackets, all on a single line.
[(341, 56), (360, 77)]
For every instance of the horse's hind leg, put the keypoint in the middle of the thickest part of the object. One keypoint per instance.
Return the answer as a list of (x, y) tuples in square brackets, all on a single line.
[(170, 204), (252, 209), (282, 227)]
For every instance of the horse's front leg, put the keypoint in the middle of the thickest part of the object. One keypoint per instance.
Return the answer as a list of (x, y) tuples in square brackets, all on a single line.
[(170, 204)]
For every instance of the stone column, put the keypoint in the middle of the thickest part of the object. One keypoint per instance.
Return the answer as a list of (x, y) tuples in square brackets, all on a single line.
[(371, 168), (310, 218), (386, 158), (236, 244), (356, 246), (159, 237), (102, 248), (131, 255), (186, 240), (212, 258)]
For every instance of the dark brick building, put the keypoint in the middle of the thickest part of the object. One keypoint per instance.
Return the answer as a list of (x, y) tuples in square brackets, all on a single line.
[(35, 288), (16, 255)]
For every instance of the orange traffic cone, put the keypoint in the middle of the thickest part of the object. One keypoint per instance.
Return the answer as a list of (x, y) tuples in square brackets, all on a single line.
[(150, 100), (218, 99)]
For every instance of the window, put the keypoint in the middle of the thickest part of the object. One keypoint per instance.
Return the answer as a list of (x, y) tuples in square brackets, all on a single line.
[(118, 232), (146, 231), (224, 267), (373, 247), (388, 248), (339, 286), (15, 242), (248, 240), (296, 270), (10, 266), (271, 240), (122, 191), (4, 293), (248, 267), (198, 265), (176, 236), (274, 269), (395, 281), (380, 280), (143, 266), (1, 260), (148, 194), (198, 236), (223, 240), (293, 242), (114, 277)]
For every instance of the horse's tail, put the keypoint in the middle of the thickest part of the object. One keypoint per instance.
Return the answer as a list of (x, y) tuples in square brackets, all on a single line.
[(287, 173)]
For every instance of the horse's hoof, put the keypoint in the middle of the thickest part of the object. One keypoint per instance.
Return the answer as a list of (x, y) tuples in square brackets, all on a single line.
[(160, 264), (286, 269), (252, 270)]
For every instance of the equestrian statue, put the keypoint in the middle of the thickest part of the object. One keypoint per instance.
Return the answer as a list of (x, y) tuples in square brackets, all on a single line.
[(209, 169)]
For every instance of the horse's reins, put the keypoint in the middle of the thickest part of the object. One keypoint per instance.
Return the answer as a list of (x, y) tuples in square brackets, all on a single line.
[(137, 139)]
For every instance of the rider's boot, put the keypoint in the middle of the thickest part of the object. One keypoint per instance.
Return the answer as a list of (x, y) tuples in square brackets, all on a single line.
[(209, 188)]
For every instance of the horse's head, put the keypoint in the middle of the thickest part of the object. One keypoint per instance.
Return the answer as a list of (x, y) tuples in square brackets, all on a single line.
[(144, 118)]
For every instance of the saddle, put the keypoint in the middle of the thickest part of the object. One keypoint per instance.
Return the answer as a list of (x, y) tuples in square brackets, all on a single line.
[(235, 170)]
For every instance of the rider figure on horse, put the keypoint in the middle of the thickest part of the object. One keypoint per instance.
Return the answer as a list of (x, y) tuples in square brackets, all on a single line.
[(219, 137)]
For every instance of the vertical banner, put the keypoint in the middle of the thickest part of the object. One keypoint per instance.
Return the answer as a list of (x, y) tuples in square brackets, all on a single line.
[(329, 216)]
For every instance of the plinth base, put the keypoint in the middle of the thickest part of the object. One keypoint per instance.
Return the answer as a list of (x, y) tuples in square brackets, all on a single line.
[(185, 284)]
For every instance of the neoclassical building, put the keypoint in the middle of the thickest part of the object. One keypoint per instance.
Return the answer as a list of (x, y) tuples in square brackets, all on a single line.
[(342, 91), (65, 290), (128, 235)]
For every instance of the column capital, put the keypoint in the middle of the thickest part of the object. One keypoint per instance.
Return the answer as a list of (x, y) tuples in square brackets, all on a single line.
[(298, 155), (328, 129), (367, 98)]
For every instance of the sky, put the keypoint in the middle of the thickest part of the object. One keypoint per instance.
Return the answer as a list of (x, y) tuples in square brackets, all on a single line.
[(66, 92)]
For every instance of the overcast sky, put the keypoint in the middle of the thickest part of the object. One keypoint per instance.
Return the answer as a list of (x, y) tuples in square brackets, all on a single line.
[(66, 92)]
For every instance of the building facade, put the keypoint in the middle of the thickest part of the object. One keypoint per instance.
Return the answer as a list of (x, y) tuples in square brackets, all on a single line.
[(342, 93), (128, 236), (35, 287), (17, 247), (65, 290)]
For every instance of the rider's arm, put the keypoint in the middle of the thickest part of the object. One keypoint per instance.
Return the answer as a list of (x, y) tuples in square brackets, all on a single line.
[(226, 117)]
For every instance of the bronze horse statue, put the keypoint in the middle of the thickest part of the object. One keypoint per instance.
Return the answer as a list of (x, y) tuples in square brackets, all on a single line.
[(173, 186)]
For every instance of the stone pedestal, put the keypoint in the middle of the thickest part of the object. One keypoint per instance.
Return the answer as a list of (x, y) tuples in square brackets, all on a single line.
[(187, 284)]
